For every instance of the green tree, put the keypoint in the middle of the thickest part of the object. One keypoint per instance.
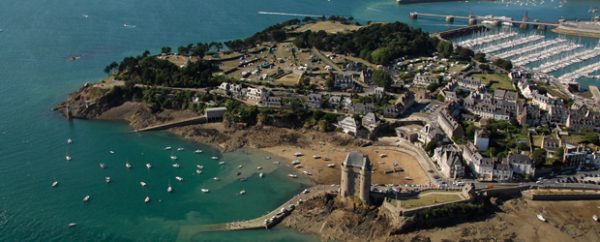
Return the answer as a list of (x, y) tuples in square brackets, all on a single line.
[(479, 56), (165, 50), (539, 157), (504, 64), (382, 78), (445, 48)]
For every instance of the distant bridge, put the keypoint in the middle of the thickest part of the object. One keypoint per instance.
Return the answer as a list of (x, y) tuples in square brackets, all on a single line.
[(474, 19)]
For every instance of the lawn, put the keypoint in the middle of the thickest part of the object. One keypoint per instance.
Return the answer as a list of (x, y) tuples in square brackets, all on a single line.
[(496, 81), (430, 198)]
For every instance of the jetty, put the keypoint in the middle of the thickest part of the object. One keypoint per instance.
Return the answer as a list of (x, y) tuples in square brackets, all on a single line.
[(511, 44), (548, 53), (569, 60), (262, 222), (530, 48), (581, 72), (488, 19), (175, 123)]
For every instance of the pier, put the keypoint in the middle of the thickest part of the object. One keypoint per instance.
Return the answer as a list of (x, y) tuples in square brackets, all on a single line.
[(569, 60), (531, 48), (278, 214), (486, 39), (581, 72), (511, 44), (538, 56)]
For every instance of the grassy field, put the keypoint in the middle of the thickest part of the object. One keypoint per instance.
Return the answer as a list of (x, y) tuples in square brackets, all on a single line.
[(495, 81), (329, 26), (430, 198)]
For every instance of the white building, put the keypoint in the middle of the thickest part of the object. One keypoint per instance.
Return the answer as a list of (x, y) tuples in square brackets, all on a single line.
[(349, 125), (481, 140)]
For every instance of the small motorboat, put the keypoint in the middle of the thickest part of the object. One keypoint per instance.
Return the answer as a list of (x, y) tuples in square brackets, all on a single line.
[(68, 157), (221, 163), (198, 151), (148, 165), (55, 183), (86, 198), (215, 178), (259, 168), (595, 218), (214, 158), (331, 165), (107, 179), (316, 156), (540, 217), (200, 167), (147, 199), (143, 184), (242, 192), (69, 141), (198, 171), (292, 175), (204, 190), (111, 152), (168, 148), (102, 165), (72, 225), (169, 189), (240, 166), (173, 157), (295, 162), (297, 154), (175, 165), (307, 173), (127, 165), (261, 175), (180, 149), (179, 178)]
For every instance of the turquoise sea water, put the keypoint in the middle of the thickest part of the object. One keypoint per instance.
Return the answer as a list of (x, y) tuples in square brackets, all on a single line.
[(35, 74)]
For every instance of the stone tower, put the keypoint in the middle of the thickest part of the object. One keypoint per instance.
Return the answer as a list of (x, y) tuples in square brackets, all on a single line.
[(356, 176)]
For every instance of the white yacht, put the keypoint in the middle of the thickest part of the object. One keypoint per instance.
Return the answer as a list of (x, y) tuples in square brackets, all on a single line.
[(215, 178), (170, 188), (68, 157), (127, 165), (295, 162), (541, 218), (317, 156), (259, 168), (214, 158), (107, 179), (331, 165), (69, 141), (298, 154), (307, 173), (86, 198), (221, 162), (143, 184), (168, 148), (198, 171), (55, 183), (198, 151), (102, 165), (292, 175), (261, 175), (111, 152), (200, 167), (595, 218), (148, 165), (204, 190), (242, 192), (179, 178), (175, 165), (180, 149), (173, 157), (147, 199), (72, 225)]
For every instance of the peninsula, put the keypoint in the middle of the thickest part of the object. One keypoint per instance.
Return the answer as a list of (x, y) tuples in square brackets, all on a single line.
[(418, 132)]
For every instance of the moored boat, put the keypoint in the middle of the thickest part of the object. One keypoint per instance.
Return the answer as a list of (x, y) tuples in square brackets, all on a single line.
[(148, 165), (168, 148), (107, 179), (143, 184), (541, 217), (86, 198), (147, 199), (242, 192), (72, 225), (179, 178), (204, 190), (261, 175), (215, 178), (595, 218), (55, 183), (198, 171), (175, 165), (198, 151), (214, 158), (173, 157), (127, 165), (68, 157), (292, 175), (69, 141), (102, 165)]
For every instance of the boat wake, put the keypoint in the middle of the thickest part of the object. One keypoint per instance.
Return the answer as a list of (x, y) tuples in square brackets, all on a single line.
[(289, 14)]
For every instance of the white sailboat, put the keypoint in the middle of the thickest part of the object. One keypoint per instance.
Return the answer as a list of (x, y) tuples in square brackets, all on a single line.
[(173, 157), (86, 198), (204, 190), (55, 183), (102, 165), (148, 165), (72, 225), (175, 165), (215, 178), (107, 179), (198, 151), (292, 175), (111, 152), (143, 184), (68, 157), (198, 171), (214, 158), (221, 163), (242, 192), (180, 149), (147, 199), (168, 148), (69, 141), (200, 167), (179, 178), (261, 175), (127, 165), (169, 188)]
